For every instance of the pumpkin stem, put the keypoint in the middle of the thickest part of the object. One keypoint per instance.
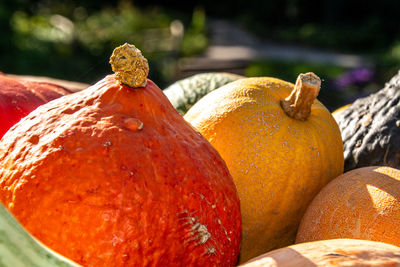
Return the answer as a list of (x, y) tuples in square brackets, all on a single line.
[(298, 104), (129, 65)]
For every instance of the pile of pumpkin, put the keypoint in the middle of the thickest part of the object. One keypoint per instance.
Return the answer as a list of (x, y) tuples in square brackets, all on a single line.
[(114, 175)]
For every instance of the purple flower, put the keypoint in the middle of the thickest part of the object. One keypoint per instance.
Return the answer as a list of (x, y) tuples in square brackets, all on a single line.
[(354, 77)]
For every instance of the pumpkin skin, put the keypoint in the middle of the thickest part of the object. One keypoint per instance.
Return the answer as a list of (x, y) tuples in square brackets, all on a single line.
[(18, 98), (184, 93), (363, 203), (278, 163), (338, 111), (371, 128), (334, 252), (19, 248), (113, 176)]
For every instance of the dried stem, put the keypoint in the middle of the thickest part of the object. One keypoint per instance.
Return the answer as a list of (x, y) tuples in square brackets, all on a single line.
[(298, 104), (129, 65)]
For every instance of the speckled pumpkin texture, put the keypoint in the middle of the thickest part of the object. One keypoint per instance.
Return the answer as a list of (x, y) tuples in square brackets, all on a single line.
[(370, 128), (184, 93), (113, 176), (278, 163), (363, 204)]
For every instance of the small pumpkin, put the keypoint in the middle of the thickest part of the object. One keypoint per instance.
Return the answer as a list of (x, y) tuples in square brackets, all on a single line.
[(114, 176), (19, 248), (184, 93), (335, 252), (18, 98), (363, 204), (370, 128), (281, 146)]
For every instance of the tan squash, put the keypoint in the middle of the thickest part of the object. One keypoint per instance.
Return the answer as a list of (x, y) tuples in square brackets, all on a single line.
[(281, 146), (363, 203), (335, 252)]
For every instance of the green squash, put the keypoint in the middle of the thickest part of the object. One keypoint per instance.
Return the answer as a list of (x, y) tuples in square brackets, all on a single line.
[(19, 248), (183, 94), (370, 128)]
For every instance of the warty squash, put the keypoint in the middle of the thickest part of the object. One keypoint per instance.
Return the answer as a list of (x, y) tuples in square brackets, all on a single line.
[(370, 128), (281, 146), (114, 176)]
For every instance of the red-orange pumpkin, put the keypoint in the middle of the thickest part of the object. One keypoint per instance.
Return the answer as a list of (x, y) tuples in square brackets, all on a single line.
[(18, 98), (113, 176)]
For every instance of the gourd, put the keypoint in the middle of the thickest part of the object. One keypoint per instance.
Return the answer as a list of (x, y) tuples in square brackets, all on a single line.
[(18, 98), (339, 110), (363, 204), (335, 252), (114, 176), (370, 128), (281, 146), (184, 93), (19, 248)]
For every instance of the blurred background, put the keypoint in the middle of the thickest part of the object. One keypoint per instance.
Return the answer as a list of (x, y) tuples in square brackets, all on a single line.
[(354, 46)]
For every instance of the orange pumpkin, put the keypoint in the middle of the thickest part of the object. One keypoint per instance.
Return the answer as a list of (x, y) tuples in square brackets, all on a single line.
[(363, 203), (113, 176), (335, 252), (281, 146), (18, 98)]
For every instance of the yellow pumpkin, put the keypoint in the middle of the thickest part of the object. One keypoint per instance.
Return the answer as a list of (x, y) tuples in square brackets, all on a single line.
[(281, 146), (339, 111)]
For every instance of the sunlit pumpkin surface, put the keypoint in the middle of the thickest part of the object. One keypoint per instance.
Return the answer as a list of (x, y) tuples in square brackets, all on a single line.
[(18, 98), (363, 203), (334, 252), (278, 163), (114, 176)]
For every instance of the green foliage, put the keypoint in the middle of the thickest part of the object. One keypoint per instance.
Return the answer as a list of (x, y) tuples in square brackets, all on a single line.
[(195, 41), (66, 41), (288, 71)]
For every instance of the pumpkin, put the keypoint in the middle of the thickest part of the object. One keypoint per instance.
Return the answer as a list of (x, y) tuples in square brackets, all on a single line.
[(339, 110), (363, 203), (184, 93), (114, 176), (19, 248), (18, 98), (335, 252), (281, 146), (371, 128)]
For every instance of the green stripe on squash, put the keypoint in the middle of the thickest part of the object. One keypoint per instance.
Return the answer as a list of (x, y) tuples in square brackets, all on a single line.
[(184, 93), (19, 248)]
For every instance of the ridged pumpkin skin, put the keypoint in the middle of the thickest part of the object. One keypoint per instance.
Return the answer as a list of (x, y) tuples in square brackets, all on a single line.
[(18, 98), (334, 252), (278, 163), (363, 203), (113, 176)]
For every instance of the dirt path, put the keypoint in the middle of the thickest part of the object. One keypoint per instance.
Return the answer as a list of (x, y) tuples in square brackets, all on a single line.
[(232, 48)]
